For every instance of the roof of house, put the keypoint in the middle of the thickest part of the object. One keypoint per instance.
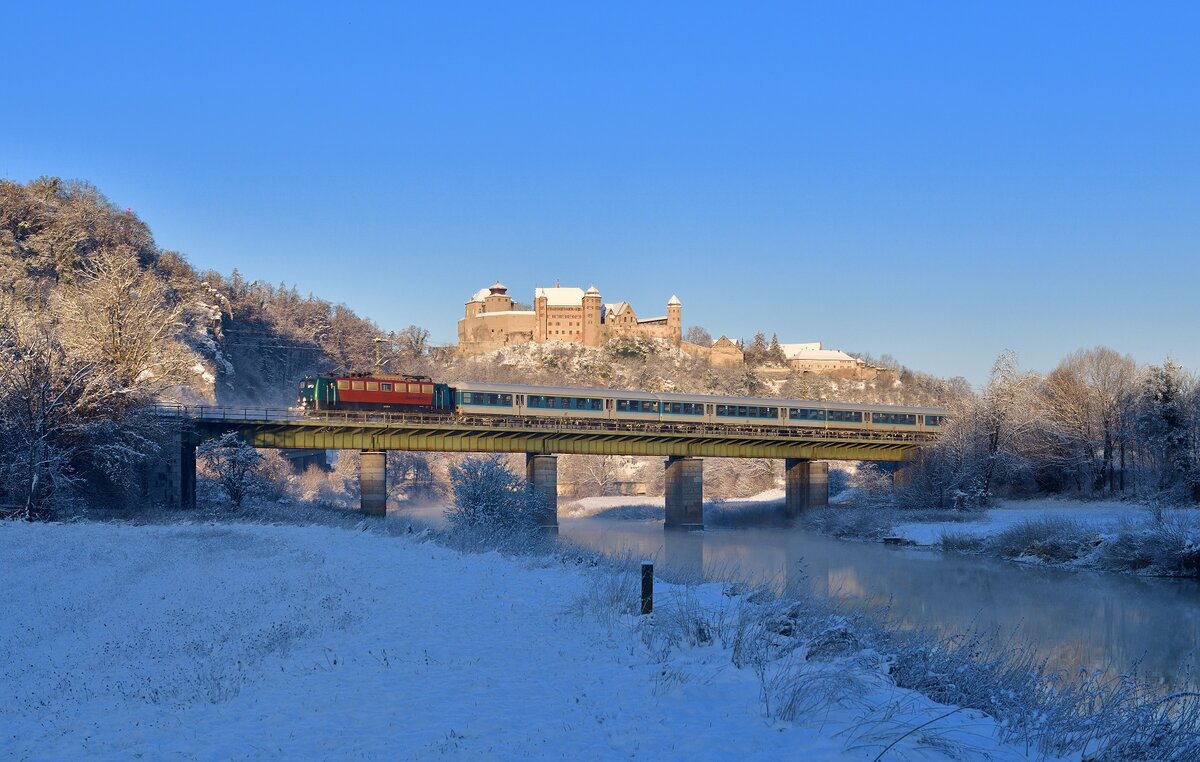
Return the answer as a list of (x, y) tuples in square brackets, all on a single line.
[(560, 297), (813, 351)]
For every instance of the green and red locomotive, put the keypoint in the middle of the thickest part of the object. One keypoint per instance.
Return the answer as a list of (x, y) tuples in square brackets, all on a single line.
[(376, 391)]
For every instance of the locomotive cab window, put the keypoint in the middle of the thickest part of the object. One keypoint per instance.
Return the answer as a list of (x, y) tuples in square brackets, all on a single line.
[(385, 387)]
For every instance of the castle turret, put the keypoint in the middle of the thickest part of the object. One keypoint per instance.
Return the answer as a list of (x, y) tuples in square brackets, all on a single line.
[(675, 319), (541, 330), (497, 298), (592, 311)]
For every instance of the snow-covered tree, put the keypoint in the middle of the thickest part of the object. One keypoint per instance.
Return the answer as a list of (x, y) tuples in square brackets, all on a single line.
[(489, 496), (233, 464)]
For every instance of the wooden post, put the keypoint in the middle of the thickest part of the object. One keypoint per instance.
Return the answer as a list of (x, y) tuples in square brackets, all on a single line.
[(647, 588)]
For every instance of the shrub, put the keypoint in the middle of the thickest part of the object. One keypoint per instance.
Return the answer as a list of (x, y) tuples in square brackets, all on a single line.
[(493, 507), (962, 542), (235, 466), (1052, 539)]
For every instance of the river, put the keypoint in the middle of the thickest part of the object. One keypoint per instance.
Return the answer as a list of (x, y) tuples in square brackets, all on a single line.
[(1075, 619)]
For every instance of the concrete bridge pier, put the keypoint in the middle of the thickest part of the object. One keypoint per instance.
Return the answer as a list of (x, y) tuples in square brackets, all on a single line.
[(372, 482), (541, 471), (187, 474), (684, 492), (806, 485), (169, 478)]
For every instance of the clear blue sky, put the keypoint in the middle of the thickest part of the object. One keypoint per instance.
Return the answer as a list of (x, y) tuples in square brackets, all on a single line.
[(937, 181)]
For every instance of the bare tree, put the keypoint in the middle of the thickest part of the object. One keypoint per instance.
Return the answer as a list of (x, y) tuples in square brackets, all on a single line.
[(699, 336), (233, 464)]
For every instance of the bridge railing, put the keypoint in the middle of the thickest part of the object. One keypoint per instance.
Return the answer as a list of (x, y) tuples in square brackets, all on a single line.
[(274, 415)]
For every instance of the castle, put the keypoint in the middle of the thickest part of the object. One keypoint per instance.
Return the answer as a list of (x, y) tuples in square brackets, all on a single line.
[(558, 314)]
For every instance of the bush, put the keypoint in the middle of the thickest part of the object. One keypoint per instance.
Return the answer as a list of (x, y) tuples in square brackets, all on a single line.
[(962, 542), (235, 466), (1168, 544), (856, 523), (1056, 540), (493, 507)]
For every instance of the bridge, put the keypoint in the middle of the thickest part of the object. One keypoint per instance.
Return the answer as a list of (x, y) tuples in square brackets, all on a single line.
[(683, 445)]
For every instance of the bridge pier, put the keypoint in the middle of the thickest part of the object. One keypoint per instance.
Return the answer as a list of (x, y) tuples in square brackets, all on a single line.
[(187, 474), (684, 492), (169, 478), (806, 485), (372, 482), (541, 471)]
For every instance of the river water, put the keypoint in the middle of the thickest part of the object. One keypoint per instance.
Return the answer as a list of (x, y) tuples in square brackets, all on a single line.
[(1074, 619)]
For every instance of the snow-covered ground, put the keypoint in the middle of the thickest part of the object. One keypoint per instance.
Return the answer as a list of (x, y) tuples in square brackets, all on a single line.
[(1100, 515), (232, 641)]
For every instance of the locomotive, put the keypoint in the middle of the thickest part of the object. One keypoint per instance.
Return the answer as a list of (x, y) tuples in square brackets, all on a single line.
[(420, 394)]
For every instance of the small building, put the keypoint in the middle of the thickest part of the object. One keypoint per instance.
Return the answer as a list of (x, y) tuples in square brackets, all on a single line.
[(811, 357)]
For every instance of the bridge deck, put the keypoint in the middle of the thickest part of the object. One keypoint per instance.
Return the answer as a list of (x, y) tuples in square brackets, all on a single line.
[(354, 430)]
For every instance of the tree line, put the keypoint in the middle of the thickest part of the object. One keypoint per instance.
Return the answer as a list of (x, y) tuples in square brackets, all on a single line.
[(1097, 425)]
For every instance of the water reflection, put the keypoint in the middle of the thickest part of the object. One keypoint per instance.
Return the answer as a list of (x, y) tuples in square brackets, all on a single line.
[(1074, 619)]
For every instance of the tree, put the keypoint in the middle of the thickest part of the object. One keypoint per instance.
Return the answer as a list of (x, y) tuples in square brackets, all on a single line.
[(775, 352), (121, 319), (233, 464), (697, 335), (413, 341), (489, 496), (1167, 430)]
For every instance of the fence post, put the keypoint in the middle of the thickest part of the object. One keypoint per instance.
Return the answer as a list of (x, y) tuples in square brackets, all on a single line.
[(647, 587)]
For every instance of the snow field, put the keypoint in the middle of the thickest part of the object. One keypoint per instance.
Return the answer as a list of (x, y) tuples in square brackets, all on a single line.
[(251, 642), (1101, 515)]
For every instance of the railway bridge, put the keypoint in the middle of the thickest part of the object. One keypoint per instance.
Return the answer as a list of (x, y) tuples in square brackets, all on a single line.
[(683, 445)]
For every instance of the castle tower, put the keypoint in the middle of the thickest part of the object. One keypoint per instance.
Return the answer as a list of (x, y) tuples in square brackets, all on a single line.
[(675, 319), (541, 330), (497, 298), (591, 317)]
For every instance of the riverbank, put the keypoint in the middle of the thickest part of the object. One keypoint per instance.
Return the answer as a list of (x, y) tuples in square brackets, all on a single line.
[(228, 640), (1101, 536)]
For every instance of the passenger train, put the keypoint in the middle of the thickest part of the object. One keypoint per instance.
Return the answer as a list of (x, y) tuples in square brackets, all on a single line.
[(403, 394)]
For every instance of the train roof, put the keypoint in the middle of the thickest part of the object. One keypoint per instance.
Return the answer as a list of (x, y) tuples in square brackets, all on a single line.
[(716, 399)]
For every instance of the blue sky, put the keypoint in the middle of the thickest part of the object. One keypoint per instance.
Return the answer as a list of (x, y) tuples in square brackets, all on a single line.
[(937, 181)]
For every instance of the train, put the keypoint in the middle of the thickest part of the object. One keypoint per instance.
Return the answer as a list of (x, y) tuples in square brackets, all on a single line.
[(420, 394)]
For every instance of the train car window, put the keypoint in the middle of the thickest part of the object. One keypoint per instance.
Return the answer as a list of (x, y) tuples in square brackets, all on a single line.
[(845, 416), (426, 388), (806, 414), (356, 385), (934, 420), (343, 384), (385, 387), (894, 419), (372, 386), (649, 407)]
